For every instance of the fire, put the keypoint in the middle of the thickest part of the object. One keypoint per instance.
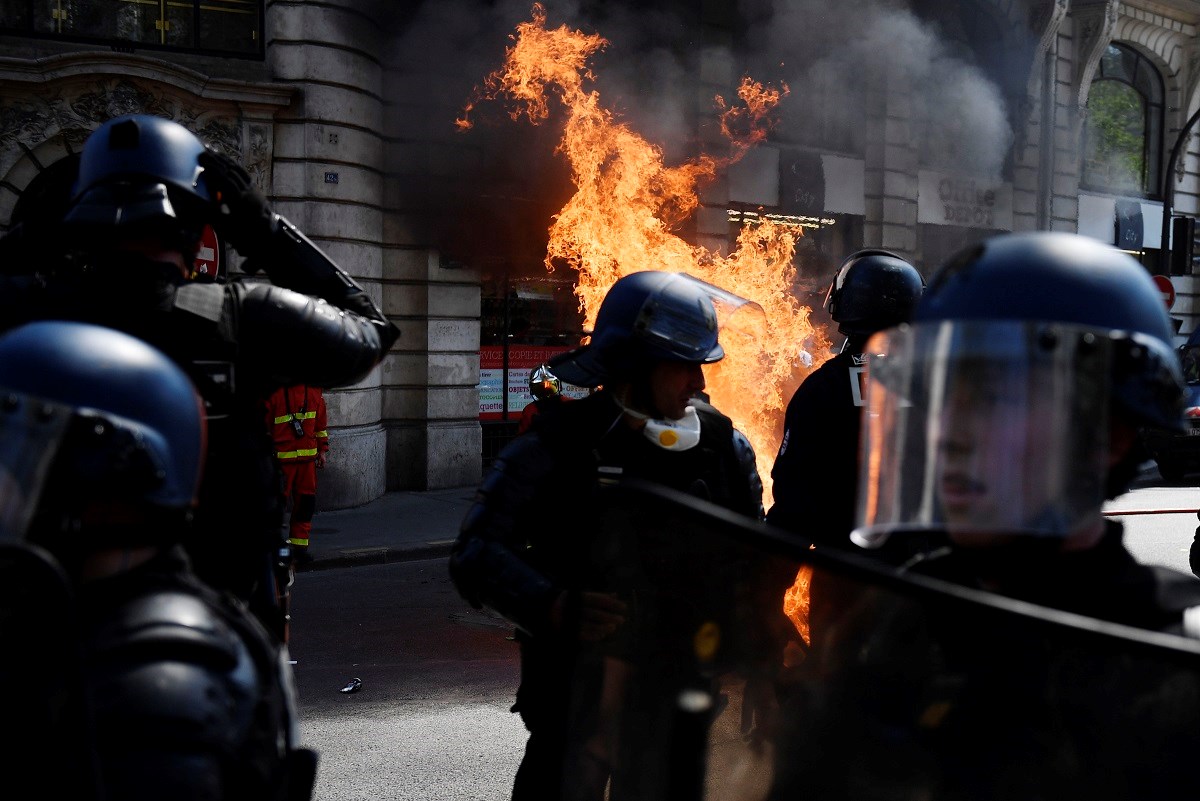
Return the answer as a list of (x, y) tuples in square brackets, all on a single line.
[(759, 101), (797, 600), (627, 204)]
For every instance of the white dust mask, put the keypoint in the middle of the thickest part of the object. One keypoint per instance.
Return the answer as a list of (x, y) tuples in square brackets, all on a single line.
[(674, 435), (670, 435)]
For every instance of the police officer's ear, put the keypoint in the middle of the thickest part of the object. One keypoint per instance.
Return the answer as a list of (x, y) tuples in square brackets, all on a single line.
[(242, 213)]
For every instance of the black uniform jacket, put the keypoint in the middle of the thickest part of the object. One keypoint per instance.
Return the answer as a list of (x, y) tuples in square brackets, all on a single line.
[(816, 471), (1103, 582), (236, 341), (526, 538)]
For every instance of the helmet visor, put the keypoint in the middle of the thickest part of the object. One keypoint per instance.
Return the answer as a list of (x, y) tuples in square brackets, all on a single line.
[(682, 317), (30, 433), (983, 427)]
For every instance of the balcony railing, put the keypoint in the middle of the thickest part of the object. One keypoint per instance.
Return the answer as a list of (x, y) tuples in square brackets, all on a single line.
[(225, 27)]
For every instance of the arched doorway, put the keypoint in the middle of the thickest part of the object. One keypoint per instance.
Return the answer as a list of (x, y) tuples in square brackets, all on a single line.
[(49, 193)]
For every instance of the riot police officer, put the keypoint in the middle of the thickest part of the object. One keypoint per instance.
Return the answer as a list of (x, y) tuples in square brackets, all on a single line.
[(1009, 411), (816, 469), (145, 190), (1000, 419), (652, 336), (175, 690)]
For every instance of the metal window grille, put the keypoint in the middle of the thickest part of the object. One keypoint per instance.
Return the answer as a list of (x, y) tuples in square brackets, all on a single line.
[(226, 27)]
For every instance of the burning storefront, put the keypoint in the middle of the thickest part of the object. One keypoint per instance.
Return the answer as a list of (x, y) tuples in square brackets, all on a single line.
[(916, 127)]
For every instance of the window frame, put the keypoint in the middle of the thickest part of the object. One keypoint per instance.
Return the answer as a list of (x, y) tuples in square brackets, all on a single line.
[(35, 11), (1137, 67)]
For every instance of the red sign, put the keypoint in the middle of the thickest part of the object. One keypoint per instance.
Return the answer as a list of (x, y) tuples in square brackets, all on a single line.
[(522, 359), (208, 256), (1166, 288)]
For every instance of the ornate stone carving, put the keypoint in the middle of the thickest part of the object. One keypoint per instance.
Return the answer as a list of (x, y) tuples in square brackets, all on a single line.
[(1095, 23), (73, 109), (1180, 163), (1045, 17), (258, 153), (1189, 88)]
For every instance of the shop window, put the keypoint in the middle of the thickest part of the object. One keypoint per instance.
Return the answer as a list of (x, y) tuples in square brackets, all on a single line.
[(1122, 148), (524, 322), (206, 26)]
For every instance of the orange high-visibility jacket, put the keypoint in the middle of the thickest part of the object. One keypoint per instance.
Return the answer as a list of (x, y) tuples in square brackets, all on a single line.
[(298, 409)]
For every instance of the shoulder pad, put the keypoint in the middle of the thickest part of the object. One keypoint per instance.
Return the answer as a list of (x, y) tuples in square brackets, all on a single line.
[(579, 422), (715, 427), (170, 625), (203, 300), (292, 338)]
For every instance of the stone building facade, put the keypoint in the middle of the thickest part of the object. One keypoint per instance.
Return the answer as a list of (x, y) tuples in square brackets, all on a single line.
[(344, 112)]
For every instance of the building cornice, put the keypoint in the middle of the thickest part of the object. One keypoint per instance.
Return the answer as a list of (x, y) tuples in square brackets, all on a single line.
[(91, 65)]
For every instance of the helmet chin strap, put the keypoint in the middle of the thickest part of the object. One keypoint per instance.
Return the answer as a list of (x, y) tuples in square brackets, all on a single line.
[(670, 435)]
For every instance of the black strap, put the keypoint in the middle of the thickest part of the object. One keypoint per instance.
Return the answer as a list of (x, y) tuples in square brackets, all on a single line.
[(287, 400)]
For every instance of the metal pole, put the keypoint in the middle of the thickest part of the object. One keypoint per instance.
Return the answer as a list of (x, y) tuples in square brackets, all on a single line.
[(504, 353), (1048, 123), (1169, 191)]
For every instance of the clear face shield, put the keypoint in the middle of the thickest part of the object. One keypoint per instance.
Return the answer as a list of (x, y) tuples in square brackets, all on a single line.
[(30, 433), (983, 427), (677, 318)]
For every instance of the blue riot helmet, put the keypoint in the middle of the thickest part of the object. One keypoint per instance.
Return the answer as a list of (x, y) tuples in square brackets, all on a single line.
[(873, 290), (650, 316), (141, 173), (101, 437), (1072, 280), (991, 411)]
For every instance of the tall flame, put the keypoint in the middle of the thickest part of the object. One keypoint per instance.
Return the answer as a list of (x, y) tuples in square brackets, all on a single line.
[(627, 203)]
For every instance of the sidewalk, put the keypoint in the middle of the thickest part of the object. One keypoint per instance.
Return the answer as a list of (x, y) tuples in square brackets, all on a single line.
[(400, 526), (396, 527)]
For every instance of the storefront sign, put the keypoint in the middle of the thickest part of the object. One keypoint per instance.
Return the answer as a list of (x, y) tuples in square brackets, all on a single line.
[(522, 360), (963, 201), (801, 183)]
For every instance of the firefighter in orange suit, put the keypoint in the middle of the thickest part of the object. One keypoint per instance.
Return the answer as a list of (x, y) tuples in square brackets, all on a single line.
[(297, 421)]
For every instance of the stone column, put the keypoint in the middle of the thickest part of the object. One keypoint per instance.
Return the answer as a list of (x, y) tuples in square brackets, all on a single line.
[(328, 180), (431, 397), (891, 167)]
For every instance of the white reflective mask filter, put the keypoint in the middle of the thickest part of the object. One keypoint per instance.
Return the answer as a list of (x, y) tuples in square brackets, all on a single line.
[(674, 435)]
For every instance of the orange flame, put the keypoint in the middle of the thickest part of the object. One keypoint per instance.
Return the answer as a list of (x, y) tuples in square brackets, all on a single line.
[(759, 101), (627, 202), (797, 601)]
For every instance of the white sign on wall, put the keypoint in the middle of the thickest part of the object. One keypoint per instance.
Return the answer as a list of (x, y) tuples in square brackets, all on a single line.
[(1097, 215), (962, 201)]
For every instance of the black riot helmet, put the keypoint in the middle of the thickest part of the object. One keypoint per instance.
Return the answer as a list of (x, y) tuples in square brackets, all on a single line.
[(873, 290), (102, 438), (646, 317), (991, 411), (140, 174)]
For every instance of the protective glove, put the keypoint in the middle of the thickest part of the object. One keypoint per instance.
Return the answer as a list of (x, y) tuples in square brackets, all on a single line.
[(243, 215), (599, 614)]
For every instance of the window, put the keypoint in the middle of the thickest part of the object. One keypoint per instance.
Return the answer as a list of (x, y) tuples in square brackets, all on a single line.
[(206, 26), (1122, 148)]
